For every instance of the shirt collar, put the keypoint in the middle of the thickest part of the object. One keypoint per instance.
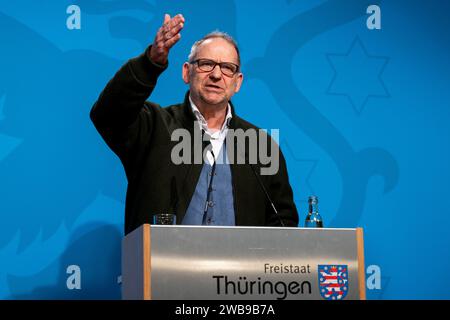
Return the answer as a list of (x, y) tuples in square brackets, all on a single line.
[(202, 121)]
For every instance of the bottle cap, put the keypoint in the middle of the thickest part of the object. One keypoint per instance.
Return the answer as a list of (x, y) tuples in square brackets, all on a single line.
[(313, 199)]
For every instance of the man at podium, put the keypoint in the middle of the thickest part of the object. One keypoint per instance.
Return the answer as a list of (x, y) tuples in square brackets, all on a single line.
[(231, 184)]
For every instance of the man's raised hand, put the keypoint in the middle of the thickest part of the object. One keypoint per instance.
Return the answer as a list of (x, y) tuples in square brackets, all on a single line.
[(166, 37)]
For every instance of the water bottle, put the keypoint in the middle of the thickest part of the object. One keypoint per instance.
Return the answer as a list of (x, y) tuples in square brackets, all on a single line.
[(313, 219)]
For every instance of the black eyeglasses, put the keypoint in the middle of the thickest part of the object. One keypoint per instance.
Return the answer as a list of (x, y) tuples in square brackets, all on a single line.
[(206, 65)]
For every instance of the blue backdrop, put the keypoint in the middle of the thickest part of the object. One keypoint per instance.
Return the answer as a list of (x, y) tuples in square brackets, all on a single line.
[(362, 116)]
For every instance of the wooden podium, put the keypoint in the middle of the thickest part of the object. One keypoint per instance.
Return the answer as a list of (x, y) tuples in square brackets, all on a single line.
[(258, 263)]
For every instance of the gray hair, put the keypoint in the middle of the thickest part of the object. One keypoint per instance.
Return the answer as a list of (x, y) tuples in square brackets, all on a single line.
[(211, 35)]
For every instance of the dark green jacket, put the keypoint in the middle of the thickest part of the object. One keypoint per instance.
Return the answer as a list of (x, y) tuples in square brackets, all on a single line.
[(139, 132)]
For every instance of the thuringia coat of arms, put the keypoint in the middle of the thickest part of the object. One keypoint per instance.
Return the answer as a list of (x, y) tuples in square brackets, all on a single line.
[(333, 281)]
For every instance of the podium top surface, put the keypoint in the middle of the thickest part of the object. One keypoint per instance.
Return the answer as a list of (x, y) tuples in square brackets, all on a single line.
[(249, 227)]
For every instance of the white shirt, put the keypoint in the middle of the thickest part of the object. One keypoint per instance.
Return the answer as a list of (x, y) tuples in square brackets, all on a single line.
[(217, 136)]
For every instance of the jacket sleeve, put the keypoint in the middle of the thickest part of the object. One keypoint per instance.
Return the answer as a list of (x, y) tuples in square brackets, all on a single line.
[(120, 114)]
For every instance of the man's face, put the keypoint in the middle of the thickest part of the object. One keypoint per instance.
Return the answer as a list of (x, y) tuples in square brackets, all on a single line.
[(213, 88)]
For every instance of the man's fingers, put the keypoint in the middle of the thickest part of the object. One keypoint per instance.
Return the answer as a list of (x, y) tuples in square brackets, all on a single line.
[(176, 27), (166, 18), (175, 20), (173, 31), (170, 28), (168, 34), (171, 22), (169, 43), (160, 33), (164, 39)]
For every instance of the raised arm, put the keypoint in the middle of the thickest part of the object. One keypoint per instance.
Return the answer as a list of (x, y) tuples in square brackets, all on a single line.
[(120, 107)]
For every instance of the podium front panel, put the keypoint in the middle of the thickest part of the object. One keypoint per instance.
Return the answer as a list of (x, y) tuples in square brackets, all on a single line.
[(206, 263)]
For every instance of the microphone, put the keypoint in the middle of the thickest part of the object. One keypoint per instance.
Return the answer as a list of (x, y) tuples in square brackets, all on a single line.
[(265, 191), (208, 193), (207, 146)]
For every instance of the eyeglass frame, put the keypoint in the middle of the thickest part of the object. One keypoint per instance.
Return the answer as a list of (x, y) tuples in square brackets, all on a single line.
[(238, 67)]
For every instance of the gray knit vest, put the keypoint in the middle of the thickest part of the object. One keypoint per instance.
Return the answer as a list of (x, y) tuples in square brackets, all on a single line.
[(220, 209)]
